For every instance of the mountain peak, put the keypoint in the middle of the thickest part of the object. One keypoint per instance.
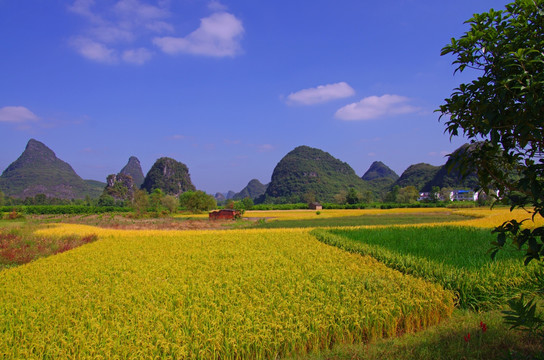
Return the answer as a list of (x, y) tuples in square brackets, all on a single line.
[(169, 175), (379, 170), (39, 171), (253, 190), (305, 172), (134, 169)]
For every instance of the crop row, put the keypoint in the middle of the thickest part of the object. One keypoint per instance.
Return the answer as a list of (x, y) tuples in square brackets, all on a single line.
[(453, 256), (213, 295)]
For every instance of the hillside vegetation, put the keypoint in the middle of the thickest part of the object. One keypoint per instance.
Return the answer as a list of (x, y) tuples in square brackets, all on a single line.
[(309, 172), (39, 171)]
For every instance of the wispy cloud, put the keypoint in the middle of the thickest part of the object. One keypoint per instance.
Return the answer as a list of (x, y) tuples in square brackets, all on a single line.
[(111, 31), (17, 114), (137, 56), (265, 147), (121, 31), (94, 50), (374, 107), (216, 6), (320, 94), (218, 35)]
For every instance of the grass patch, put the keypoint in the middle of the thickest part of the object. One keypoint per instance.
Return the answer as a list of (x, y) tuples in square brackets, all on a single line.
[(446, 341), (363, 220), (455, 257)]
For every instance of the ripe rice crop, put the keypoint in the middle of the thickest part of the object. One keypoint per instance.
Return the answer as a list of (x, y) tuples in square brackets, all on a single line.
[(205, 295), (327, 213), (490, 218), (455, 257)]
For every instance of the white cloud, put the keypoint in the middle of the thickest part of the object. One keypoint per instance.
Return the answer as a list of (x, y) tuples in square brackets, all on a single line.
[(110, 29), (374, 107), (321, 94), (137, 56), (16, 114), (93, 50), (218, 35)]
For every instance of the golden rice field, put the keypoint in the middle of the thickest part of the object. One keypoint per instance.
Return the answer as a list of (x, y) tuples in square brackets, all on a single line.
[(476, 217), (213, 294), (253, 293)]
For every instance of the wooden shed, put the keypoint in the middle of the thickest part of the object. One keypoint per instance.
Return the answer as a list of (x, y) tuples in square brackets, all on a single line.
[(225, 214), (315, 206)]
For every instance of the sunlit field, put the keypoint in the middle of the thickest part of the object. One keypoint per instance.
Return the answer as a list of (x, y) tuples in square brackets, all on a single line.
[(229, 294), (257, 293), (455, 257)]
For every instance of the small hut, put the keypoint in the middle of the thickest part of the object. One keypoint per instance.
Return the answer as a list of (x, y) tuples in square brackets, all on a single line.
[(225, 214), (315, 206)]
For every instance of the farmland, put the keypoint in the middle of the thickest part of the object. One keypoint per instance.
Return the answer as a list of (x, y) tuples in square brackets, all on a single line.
[(257, 293)]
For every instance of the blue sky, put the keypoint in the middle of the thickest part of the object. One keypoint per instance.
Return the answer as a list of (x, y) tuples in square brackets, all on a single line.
[(229, 87)]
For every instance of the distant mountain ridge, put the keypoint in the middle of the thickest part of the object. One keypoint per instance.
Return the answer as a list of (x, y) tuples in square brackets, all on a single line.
[(39, 171), (302, 174)]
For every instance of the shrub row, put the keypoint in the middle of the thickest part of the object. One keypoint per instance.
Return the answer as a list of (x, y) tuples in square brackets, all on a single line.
[(63, 209)]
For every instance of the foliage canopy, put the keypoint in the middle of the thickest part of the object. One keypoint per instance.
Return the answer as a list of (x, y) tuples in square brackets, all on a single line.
[(502, 111)]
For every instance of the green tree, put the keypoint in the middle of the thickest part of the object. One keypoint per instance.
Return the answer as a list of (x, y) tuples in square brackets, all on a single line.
[(171, 203), (247, 203), (501, 112), (392, 195), (367, 197), (340, 198), (352, 196), (140, 202), (184, 198), (407, 195), (155, 199), (197, 201), (106, 200), (2, 198)]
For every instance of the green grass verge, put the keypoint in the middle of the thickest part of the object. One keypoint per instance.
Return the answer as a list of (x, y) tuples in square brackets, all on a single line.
[(363, 220), (455, 257)]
